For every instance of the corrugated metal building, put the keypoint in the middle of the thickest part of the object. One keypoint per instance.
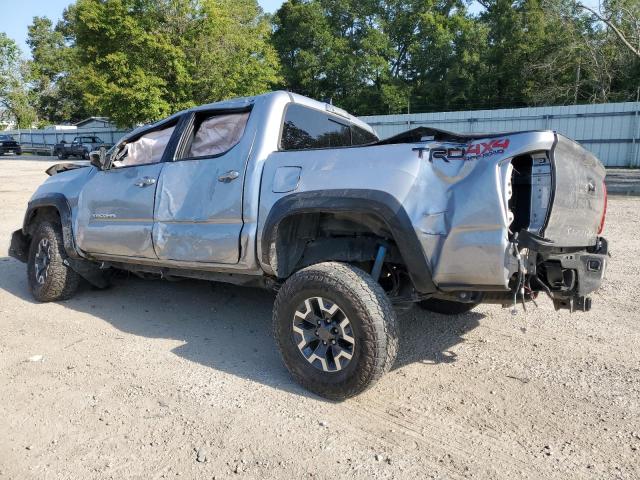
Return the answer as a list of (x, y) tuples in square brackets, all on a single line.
[(610, 130), (96, 122)]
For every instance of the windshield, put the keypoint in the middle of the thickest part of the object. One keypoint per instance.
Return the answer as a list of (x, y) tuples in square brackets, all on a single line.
[(6, 137)]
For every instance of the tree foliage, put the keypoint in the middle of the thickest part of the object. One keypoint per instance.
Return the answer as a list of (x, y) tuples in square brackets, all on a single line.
[(139, 60), (393, 55), (57, 97), (15, 96)]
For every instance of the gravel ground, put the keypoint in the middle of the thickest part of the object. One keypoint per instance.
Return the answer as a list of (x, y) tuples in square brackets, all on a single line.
[(154, 379)]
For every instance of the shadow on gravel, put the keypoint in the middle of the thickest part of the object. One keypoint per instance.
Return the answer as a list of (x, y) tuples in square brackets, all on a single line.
[(227, 327), (428, 337)]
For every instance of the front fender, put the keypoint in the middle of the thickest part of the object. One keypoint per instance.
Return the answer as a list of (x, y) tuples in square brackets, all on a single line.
[(60, 203)]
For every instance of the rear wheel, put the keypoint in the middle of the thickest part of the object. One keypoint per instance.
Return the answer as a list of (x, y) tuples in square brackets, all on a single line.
[(61, 156), (447, 307), (335, 328), (49, 278)]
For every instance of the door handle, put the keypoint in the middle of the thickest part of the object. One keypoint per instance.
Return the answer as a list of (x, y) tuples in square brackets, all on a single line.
[(228, 176), (145, 182)]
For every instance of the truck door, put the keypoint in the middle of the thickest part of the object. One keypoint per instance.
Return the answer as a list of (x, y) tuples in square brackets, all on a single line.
[(198, 214), (74, 148), (115, 207)]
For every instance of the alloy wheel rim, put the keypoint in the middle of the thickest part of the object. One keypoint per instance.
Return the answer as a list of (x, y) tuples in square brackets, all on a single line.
[(42, 261), (323, 334)]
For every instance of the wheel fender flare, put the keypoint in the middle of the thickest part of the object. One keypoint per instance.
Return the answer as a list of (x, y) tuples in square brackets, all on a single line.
[(381, 204), (61, 204)]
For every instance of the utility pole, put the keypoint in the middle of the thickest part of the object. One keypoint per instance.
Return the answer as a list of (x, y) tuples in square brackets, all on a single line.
[(575, 95), (635, 145)]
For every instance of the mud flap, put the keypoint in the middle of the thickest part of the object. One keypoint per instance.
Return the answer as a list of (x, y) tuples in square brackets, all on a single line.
[(19, 248), (90, 272)]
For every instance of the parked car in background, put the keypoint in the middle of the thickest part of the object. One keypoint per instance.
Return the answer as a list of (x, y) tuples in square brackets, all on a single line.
[(8, 144), (79, 147), (286, 193)]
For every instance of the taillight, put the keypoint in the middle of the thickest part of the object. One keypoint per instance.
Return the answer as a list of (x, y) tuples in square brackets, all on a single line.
[(604, 210)]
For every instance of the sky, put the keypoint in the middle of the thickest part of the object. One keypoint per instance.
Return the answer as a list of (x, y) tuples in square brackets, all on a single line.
[(16, 15)]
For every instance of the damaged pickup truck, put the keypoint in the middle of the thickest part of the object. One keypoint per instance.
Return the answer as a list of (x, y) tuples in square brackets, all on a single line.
[(287, 193)]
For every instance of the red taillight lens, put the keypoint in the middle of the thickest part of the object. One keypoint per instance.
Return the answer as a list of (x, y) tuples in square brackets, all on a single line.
[(604, 210)]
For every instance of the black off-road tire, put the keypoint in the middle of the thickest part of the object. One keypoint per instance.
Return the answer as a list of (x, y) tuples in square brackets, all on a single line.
[(85, 155), (369, 312), (61, 156), (61, 282), (446, 307)]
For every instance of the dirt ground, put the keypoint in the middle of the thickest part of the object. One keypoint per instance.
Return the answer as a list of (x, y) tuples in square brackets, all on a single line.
[(139, 380)]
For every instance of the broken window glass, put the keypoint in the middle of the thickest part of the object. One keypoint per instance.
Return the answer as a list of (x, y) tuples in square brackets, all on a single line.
[(217, 135), (147, 149)]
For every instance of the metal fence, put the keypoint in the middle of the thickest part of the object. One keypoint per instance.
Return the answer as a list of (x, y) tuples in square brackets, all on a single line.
[(610, 130), (44, 140)]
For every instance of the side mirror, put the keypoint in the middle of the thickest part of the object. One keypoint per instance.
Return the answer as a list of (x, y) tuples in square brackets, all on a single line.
[(98, 158)]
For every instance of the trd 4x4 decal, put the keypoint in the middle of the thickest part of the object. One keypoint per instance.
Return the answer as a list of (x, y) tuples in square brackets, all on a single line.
[(472, 151), (487, 149)]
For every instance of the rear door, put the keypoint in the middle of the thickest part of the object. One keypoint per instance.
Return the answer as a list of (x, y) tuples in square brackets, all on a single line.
[(115, 207), (198, 214)]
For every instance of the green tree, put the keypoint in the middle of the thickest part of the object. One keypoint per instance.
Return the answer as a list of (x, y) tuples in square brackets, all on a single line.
[(56, 97), (139, 60), (376, 56), (125, 67), (586, 62), (439, 49), (15, 97), (617, 42), (228, 51), (331, 50), (516, 35)]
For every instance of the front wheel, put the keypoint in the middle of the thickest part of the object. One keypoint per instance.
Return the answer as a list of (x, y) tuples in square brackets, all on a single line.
[(50, 279), (336, 329)]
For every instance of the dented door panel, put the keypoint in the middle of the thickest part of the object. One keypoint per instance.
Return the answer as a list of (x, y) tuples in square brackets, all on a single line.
[(115, 212), (198, 215)]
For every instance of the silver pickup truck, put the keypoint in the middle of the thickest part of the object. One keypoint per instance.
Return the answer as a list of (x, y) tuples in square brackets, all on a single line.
[(287, 193)]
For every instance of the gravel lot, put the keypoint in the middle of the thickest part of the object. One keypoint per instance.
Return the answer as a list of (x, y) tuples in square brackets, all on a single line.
[(147, 378)]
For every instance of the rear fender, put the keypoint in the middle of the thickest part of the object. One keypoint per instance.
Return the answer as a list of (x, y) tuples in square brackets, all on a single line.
[(380, 204)]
